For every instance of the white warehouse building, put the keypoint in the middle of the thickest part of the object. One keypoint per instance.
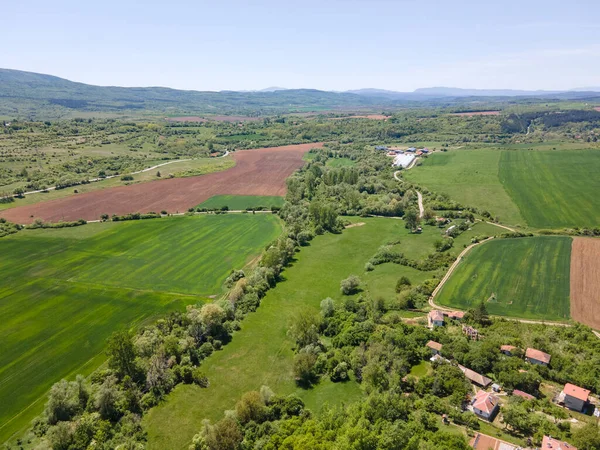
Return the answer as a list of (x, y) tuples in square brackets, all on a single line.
[(404, 160)]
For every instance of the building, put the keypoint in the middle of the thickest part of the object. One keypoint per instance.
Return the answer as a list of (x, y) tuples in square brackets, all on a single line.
[(485, 442), (522, 394), (534, 356), (425, 150), (455, 315), (403, 160), (474, 377), (381, 147), (435, 318), (496, 387), (411, 149), (485, 405), (435, 347), (470, 332), (549, 443), (508, 350), (574, 397)]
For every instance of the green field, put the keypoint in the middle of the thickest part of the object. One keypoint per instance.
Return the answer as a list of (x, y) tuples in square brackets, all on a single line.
[(525, 277), (261, 353), (340, 162), (554, 189), (242, 202), (65, 291), (469, 177)]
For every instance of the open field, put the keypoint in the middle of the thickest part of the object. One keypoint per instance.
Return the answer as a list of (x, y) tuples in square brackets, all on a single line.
[(340, 162), (554, 189), (64, 291), (213, 118), (477, 113), (261, 352), (241, 202), (257, 172), (525, 277), (469, 177), (585, 281), (367, 116)]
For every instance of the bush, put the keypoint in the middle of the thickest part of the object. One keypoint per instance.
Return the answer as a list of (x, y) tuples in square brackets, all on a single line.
[(402, 283), (350, 285), (127, 178)]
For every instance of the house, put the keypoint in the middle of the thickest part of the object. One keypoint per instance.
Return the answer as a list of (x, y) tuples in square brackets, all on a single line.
[(411, 149), (485, 442), (425, 150), (435, 347), (470, 332), (381, 147), (574, 397), (534, 356), (522, 394), (441, 220), (475, 377), (508, 349), (549, 443), (485, 405), (455, 315), (435, 318)]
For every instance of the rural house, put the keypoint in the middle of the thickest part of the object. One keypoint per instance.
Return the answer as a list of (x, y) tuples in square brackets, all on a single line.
[(435, 347), (455, 315), (381, 147), (508, 350), (475, 377), (485, 442), (522, 394), (485, 405), (549, 443), (435, 318), (574, 397), (534, 356)]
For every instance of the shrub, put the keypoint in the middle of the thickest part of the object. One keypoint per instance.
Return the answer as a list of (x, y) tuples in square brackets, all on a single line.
[(350, 285)]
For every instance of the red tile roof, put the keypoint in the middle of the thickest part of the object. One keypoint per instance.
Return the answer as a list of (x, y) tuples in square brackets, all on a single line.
[(525, 395), (475, 377), (484, 401), (549, 443), (434, 345), (507, 348), (485, 442), (576, 392), (456, 314), (436, 315), (538, 355)]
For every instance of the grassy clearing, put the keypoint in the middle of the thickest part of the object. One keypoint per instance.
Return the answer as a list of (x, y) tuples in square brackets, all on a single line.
[(241, 202), (261, 353), (340, 162), (65, 291), (554, 189), (469, 177), (526, 278)]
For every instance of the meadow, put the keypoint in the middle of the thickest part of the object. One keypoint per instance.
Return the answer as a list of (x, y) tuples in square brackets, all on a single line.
[(526, 278), (242, 202), (64, 291), (261, 353), (554, 189)]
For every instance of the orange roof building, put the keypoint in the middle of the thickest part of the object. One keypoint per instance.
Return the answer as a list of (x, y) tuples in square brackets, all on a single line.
[(574, 397), (534, 356), (549, 443), (435, 347), (485, 405)]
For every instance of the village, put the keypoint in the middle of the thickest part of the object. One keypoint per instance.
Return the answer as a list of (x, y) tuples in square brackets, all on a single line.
[(404, 158), (488, 398)]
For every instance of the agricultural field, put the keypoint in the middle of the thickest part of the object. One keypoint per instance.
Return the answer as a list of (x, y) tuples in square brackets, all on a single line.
[(257, 172), (554, 189), (261, 353), (524, 277), (242, 202), (64, 291), (585, 281)]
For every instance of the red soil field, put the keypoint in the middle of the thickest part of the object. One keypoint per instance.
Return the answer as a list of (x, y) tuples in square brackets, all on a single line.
[(585, 281), (213, 118), (477, 113), (597, 108), (257, 172), (368, 116)]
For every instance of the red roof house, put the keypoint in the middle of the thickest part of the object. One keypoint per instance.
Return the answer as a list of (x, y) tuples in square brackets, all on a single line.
[(549, 443), (485, 405), (435, 318), (534, 356), (524, 395), (574, 397), (435, 347), (507, 349)]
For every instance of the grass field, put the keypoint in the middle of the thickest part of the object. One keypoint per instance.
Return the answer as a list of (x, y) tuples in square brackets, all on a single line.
[(469, 177), (241, 202), (261, 353), (554, 189), (65, 291), (526, 278), (340, 162)]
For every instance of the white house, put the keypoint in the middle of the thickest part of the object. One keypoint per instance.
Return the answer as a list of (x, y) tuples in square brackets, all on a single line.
[(485, 405), (435, 318), (574, 397)]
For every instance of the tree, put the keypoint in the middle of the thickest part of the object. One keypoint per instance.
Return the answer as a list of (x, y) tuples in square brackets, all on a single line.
[(350, 285), (121, 355), (327, 307), (63, 402), (304, 329), (480, 313), (158, 173), (402, 283), (412, 219), (587, 437), (251, 407), (107, 399), (304, 368), (212, 316)]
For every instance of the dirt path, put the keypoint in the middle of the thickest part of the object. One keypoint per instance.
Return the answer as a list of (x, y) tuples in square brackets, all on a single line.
[(419, 195), (502, 226)]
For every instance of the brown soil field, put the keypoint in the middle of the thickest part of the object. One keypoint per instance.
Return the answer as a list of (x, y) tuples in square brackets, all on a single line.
[(257, 172), (585, 281), (213, 118), (368, 116), (477, 113)]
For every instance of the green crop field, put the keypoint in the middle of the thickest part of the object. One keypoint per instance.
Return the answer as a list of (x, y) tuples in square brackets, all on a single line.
[(469, 177), (554, 189), (524, 277), (261, 353), (65, 291), (242, 202)]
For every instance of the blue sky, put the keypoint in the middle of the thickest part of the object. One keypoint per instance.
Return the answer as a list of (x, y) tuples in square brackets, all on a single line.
[(326, 44)]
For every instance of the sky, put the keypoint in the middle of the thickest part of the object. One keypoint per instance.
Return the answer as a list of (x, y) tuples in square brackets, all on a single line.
[(327, 44)]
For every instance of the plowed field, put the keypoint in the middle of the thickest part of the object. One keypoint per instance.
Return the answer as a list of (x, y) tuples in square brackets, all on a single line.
[(257, 172), (585, 281)]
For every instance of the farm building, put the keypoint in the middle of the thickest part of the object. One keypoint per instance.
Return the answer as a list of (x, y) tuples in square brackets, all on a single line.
[(549, 443), (474, 377), (485, 442), (435, 347), (455, 315), (425, 150), (508, 350), (534, 356), (485, 405), (574, 397), (403, 160), (381, 147), (411, 149), (522, 394), (435, 318)]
